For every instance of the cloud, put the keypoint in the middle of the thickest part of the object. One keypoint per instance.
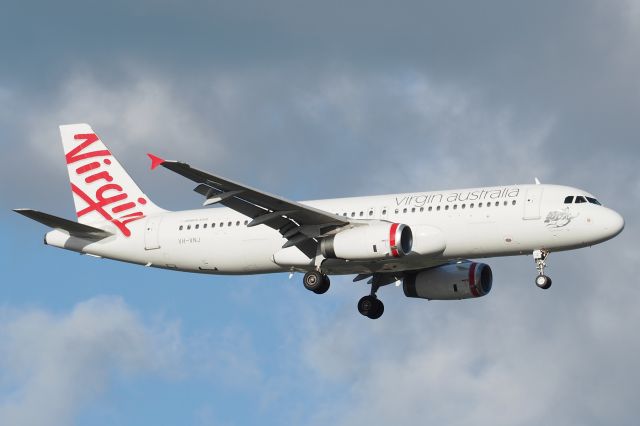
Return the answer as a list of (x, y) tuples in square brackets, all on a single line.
[(142, 111), (517, 357), (54, 365), (225, 121), (422, 95)]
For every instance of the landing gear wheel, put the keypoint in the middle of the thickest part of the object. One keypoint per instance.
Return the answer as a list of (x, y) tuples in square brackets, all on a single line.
[(326, 283), (316, 282), (371, 307), (378, 311), (543, 281)]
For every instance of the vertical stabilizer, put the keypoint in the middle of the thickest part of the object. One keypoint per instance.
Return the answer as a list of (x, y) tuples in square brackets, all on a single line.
[(102, 189)]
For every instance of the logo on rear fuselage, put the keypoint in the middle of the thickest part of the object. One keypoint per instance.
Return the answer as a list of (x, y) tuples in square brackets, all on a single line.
[(107, 196)]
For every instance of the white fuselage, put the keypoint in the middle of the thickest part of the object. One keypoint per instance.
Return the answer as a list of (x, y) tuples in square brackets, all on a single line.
[(475, 223)]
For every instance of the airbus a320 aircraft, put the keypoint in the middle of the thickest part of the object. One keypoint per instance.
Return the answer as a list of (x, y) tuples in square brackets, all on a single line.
[(420, 239)]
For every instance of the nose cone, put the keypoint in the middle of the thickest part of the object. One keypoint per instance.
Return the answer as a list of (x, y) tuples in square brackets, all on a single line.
[(613, 223), (616, 223)]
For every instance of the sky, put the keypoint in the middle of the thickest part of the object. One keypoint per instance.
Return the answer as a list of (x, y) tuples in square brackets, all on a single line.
[(317, 100)]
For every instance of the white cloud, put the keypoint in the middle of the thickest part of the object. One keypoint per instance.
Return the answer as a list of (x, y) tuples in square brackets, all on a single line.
[(142, 111), (53, 365), (520, 356)]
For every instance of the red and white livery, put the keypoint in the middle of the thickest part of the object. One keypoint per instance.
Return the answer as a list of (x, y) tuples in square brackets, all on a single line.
[(421, 240)]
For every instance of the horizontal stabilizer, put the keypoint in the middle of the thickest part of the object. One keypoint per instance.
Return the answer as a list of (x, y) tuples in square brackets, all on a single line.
[(73, 228)]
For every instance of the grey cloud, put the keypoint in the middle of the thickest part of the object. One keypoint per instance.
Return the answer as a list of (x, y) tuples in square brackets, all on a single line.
[(335, 131), (369, 98), (518, 357)]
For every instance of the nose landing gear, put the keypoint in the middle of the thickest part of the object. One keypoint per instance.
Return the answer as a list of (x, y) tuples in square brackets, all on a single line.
[(542, 281)]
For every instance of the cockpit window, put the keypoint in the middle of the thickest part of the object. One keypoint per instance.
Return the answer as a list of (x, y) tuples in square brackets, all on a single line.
[(593, 201), (569, 199), (580, 199)]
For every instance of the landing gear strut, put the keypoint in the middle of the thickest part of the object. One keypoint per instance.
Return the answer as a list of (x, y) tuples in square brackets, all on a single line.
[(370, 306), (316, 282), (542, 281)]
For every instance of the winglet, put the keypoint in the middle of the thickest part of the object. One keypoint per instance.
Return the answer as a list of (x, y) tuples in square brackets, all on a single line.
[(155, 161)]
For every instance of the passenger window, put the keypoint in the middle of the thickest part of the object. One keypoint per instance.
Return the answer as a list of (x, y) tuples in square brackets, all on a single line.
[(397, 211), (229, 224), (580, 199), (197, 226), (513, 202), (505, 203), (446, 207), (238, 223), (430, 208), (353, 214), (464, 205), (455, 206), (180, 229), (370, 212), (569, 199), (384, 212), (421, 209), (221, 224), (489, 204), (188, 227), (204, 226), (213, 225), (344, 214), (471, 205), (413, 209), (361, 214), (479, 204), (404, 210), (246, 222)]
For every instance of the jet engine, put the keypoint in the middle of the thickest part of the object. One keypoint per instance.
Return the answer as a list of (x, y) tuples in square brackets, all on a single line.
[(369, 242), (453, 281)]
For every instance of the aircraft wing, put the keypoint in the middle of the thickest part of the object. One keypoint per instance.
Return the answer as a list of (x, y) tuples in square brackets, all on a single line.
[(298, 223)]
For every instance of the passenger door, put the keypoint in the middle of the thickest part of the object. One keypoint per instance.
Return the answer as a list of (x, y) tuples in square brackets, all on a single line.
[(532, 203), (152, 233)]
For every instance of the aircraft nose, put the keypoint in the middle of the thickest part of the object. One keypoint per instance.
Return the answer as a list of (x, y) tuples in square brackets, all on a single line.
[(614, 223)]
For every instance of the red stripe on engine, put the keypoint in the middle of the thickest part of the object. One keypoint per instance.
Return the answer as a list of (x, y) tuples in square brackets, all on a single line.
[(392, 240), (472, 280)]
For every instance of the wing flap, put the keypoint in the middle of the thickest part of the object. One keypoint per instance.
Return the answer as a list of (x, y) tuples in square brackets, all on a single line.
[(73, 228)]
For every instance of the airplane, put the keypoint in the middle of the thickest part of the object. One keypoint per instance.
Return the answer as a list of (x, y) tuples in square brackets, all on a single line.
[(422, 240)]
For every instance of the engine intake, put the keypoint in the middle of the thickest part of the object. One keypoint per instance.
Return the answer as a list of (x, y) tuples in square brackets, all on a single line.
[(449, 282), (369, 242)]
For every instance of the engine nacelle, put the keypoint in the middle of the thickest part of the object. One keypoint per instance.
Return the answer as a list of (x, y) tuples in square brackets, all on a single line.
[(369, 242), (449, 282)]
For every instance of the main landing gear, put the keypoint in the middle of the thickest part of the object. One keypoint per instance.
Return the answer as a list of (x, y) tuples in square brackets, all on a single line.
[(542, 281), (316, 282), (370, 306)]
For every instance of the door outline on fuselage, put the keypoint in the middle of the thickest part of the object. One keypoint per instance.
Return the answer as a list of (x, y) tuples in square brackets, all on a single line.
[(152, 233), (532, 203)]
